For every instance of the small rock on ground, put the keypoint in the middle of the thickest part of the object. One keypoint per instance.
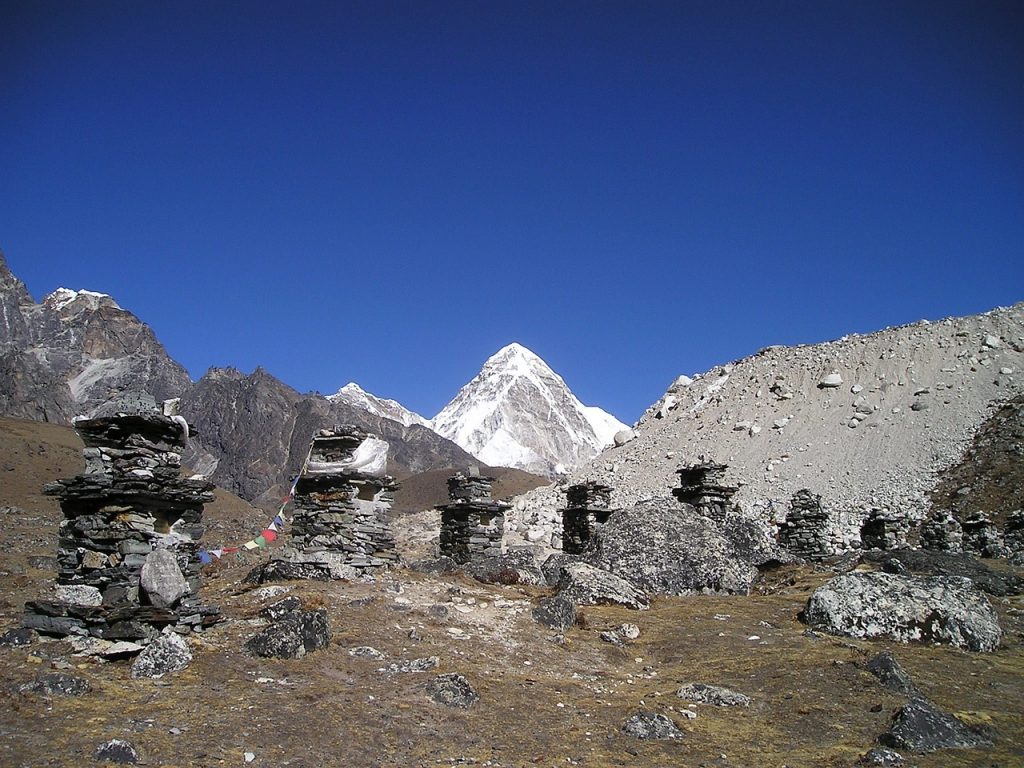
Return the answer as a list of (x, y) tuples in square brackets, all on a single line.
[(558, 612), (452, 690), (168, 653), (891, 675), (651, 725), (57, 684), (881, 756), (16, 637), (117, 751), (712, 694)]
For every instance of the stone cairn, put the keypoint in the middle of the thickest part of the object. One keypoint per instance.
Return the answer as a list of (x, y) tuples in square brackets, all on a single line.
[(942, 532), (588, 506), (127, 562), (1013, 532), (982, 536), (472, 523), (703, 487), (341, 503), (884, 529), (805, 532)]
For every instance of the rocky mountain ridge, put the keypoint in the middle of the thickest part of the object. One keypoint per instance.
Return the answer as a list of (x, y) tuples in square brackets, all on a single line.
[(70, 353), (67, 354), (862, 420), (517, 412), (357, 397), (254, 430)]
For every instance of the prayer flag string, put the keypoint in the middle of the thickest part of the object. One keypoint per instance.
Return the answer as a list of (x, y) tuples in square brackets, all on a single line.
[(268, 535)]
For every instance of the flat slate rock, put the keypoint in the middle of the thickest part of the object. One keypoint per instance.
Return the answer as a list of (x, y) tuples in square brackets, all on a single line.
[(452, 690), (651, 725), (920, 726)]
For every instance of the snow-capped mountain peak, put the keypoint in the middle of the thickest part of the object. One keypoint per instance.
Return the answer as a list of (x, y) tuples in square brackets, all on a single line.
[(518, 412), (357, 397)]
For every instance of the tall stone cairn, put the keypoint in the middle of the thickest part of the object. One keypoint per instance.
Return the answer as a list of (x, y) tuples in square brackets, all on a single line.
[(472, 523), (703, 486), (127, 562), (942, 532), (805, 532), (884, 529), (982, 536), (341, 509), (588, 506), (1013, 532)]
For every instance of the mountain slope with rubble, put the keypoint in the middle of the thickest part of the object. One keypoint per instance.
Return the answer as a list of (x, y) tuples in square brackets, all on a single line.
[(517, 412), (865, 419)]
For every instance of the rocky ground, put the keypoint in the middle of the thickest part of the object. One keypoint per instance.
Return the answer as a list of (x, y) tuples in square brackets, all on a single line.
[(860, 420), (545, 698)]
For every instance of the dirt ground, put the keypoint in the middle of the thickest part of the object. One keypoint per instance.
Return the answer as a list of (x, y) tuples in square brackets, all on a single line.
[(544, 700)]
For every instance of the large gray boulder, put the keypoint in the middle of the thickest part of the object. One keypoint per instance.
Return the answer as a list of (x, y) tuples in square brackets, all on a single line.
[(586, 585), (162, 580), (935, 609), (664, 547)]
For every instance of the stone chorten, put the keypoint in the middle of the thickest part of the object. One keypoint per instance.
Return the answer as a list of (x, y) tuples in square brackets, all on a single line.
[(805, 532), (703, 487), (588, 506), (472, 523), (884, 529), (127, 562), (1013, 532), (942, 532), (982, 536), (340, 514)]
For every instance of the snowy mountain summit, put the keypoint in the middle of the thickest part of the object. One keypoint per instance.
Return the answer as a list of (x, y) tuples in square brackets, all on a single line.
[(356, 396), (517, 412)]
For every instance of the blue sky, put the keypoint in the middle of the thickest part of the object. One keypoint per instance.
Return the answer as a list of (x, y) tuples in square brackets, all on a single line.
[(389, 192)]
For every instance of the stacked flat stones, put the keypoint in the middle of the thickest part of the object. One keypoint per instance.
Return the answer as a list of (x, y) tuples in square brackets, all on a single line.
[(884, 529), (982, 536), (703, 486), (472, 523), (806, 530), (588, 506), (128, 512), (1013, 532), (343, 511), (942, 532)]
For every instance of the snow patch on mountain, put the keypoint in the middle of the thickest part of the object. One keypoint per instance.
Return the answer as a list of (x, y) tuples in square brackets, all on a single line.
[(517, 412), (65, 297), (354, 395)]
